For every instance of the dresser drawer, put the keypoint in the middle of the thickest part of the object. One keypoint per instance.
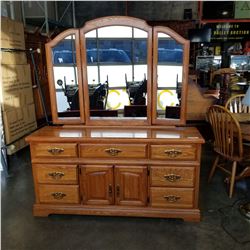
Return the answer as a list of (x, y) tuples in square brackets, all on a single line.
[(173, 152), (58, 193), (172, 176), (172, 197), (56, 174), (54, 150), (113, 150)]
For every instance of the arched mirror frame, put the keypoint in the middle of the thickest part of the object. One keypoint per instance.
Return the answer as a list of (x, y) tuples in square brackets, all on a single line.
[(185, 63), (116, 21), (49, 48)]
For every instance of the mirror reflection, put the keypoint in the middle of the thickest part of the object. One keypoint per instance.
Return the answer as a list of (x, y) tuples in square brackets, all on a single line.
[(117, 72), (169, 77), (65, 77)]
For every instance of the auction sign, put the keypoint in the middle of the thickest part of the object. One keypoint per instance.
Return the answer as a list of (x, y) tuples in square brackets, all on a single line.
[(221, 32)]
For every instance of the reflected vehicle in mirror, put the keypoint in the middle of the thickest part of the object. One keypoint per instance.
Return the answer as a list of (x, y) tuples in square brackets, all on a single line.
[(103, 56), (170, 55), (64, 57), (111, 55)]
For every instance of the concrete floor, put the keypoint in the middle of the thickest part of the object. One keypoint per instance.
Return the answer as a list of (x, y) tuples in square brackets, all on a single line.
[(22, 231)]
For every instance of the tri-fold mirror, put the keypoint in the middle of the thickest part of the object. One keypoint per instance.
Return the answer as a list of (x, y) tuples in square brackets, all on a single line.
[(118, 71)]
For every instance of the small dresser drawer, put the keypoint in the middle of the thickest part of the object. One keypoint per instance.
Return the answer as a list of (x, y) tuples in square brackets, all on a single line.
[(172, 197), (174, 152), (113, 151), (56, 174), (172, 176), (54, 150), (58, 193)]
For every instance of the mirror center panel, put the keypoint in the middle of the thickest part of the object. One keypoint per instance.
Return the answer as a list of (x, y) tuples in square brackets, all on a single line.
[(117, 72)]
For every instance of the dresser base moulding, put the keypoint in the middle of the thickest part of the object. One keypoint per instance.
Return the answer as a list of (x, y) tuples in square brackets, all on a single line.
[(42, 210)]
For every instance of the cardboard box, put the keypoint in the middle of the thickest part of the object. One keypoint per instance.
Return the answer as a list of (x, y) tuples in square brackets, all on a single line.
[(16, 86), (13, 58), (19, 122), (12, 34)]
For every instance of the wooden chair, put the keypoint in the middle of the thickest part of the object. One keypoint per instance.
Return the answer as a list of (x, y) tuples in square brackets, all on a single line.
[(228, 141), (234, 104)]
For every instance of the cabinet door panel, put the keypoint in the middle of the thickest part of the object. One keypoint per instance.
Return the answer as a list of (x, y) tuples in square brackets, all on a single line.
[(97, 184), (131, 185)]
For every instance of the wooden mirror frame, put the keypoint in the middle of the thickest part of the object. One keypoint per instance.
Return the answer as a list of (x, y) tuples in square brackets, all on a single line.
[(116, 21), (49, 46), (185, 63), (152, 61)]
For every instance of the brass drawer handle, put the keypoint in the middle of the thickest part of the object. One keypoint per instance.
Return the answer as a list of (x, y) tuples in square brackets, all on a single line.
[(110, 190), (172, 177), (58, 195), (117, 190), (55, 151), (113, 151), (173, 153), (56, 175), (171, 198)]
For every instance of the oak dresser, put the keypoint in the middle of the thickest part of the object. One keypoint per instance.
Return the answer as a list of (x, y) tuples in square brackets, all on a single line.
[(118, 144)]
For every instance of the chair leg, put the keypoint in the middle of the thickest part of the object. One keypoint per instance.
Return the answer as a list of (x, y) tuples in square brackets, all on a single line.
[(232, 179), (213, 168)]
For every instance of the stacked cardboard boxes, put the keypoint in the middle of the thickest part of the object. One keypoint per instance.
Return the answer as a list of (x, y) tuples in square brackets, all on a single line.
[(17, 104)]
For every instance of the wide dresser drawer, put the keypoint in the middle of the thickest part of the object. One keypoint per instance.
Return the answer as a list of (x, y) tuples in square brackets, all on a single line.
[(56, 174), (173, 152), (54, 150), (113, 151), (58, 193), (172, 176), (172, 197)]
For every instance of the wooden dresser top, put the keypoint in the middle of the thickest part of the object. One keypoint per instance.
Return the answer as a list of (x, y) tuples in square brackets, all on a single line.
[(143, 134)]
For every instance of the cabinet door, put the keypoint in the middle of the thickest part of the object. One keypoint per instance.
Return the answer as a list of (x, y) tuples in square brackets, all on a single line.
[(131, 185), (97, 184)]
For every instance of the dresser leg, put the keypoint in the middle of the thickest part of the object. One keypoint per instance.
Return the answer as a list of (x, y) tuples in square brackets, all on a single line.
[(40, 212), (194, 219)]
